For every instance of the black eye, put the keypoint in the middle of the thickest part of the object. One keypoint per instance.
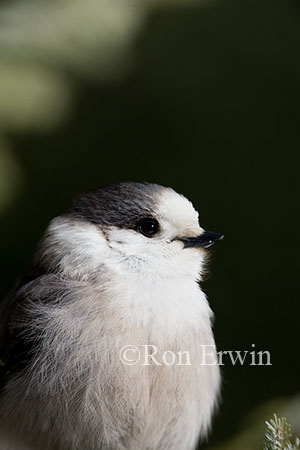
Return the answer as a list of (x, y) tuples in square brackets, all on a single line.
[(148, 227)]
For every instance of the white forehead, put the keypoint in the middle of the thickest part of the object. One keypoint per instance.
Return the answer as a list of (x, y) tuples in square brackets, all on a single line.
[(177, 213)]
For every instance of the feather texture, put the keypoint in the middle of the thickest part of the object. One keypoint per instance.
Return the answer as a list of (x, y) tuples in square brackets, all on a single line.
[(93, 291)]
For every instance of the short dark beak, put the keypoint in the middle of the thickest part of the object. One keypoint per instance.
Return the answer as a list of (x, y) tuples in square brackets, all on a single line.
[(205, 240)]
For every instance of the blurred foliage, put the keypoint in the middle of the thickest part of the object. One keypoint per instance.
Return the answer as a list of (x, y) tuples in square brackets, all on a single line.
[(32, 97), (40, 41), (200, 95), (41, 44)]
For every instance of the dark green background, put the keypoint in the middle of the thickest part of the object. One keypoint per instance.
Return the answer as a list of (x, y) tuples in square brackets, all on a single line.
[(211, 109)]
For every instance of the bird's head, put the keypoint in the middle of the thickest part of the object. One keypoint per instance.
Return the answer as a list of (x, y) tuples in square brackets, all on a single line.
[(128, 227)]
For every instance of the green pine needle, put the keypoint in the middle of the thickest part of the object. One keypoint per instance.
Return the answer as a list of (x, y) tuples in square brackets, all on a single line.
[(278, 434)]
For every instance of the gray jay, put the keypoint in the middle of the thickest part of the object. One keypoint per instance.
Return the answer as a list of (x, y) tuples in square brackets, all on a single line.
[(117, 272)]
